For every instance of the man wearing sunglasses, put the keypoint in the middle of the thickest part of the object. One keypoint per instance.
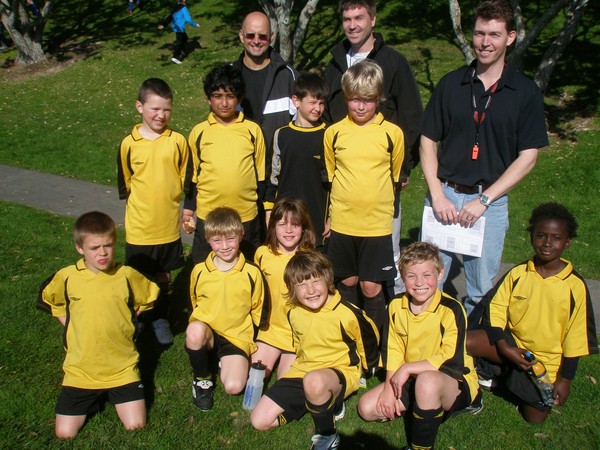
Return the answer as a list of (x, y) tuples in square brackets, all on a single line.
[(268, 78)]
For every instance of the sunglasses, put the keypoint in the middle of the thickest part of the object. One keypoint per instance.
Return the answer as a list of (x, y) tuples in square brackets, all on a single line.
[(252, 36)]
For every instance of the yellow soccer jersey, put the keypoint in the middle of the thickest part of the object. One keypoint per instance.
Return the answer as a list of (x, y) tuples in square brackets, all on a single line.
[(229, 161), (151, 176), (437, 335), (99, 331), (363, 163), (551, 317), (277, 332), (231, 302), (338, 336)]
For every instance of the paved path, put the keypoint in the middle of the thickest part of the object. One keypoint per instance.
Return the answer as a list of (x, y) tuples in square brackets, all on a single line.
[(71, 197)]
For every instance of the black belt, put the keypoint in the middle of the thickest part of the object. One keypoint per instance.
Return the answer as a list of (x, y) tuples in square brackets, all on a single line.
[(462, 189)]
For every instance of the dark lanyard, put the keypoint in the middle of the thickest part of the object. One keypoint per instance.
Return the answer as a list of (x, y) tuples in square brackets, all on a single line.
[(479, 119)]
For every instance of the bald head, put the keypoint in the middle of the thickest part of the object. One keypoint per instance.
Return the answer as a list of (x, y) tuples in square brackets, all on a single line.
[(256, 36)]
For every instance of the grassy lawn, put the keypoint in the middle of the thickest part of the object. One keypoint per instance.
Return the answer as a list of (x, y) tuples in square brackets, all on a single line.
[(30, 375), (67, 117)]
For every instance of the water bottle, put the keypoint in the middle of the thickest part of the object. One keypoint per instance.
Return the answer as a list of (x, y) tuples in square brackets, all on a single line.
[(540, 377), (254, 386)]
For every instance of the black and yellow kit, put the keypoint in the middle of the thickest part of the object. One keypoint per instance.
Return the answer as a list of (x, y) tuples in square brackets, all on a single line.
[(229, 161), (551, 317), (100, 310), (231, 303), (363, 164), (277, 332), (337, 336), (151, 176), (436, 335)]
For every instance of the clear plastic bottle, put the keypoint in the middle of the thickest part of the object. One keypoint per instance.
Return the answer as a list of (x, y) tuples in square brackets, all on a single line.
[(254, 385), (540, 377)]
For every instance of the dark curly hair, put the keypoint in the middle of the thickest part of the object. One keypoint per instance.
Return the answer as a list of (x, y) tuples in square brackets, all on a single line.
[(225, 77), (553, 211)]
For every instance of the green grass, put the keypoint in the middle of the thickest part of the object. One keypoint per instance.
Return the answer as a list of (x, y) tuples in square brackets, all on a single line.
[(32, 354), (69, 119)]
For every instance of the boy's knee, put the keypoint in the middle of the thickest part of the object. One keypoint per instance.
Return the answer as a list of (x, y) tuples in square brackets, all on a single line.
[(313, 384), (195, 335), (63, 432), (233, 387), (259, 422), (428, 383), (135, 424)]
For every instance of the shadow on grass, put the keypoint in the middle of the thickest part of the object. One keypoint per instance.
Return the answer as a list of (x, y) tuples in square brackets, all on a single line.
[(361, 440)]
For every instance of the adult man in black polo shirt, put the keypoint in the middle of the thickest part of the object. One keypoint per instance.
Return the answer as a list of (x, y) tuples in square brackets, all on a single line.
[(489, 121), (268, 78), (403, 101)]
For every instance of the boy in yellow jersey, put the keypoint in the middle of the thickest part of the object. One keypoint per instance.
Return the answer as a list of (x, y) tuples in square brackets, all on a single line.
[(429, 374), (542, 306), (154, 167), (363, 156), (229, 163), (334, 342), (97, 301), (228, 296)]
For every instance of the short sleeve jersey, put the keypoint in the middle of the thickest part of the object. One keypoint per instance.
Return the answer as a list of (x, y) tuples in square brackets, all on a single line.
[(363, 163), (277, 332), (551, 317), (437, 335), (231, 303), (339, 335), (151, 176), (514, 121), (100, 310), (229, 161)]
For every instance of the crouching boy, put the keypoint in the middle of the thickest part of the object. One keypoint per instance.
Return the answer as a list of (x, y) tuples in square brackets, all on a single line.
[(334, 341), (228, 296), (429, 374)]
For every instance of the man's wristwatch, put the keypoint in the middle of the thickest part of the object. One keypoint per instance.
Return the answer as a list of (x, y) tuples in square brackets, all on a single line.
[(485, 200)]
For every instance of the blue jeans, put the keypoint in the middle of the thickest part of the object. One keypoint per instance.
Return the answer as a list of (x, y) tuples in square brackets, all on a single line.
[(479, 271)]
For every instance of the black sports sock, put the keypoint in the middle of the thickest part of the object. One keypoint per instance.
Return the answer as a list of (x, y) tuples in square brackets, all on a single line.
[(425, 424), (323, 416), (199, 362), (374, 308), (349, 293)]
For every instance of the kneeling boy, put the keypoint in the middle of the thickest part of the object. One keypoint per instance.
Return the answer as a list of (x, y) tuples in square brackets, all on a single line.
[(334, 341), (429, 374), (228, 296), (543, 306), (97, 301)]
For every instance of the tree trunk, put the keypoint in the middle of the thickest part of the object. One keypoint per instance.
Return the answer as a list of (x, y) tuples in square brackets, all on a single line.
[(556, 49), (283, 10), (269, 10), (303, 21), (463, 42), (25, 32)]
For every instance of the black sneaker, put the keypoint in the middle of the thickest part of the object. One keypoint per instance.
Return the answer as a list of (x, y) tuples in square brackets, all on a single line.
[(202, 390)]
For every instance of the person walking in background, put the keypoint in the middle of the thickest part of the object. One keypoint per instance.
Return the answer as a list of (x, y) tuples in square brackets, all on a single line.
[(178, 18)]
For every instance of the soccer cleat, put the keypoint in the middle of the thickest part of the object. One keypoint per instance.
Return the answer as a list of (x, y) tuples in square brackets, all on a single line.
[(340, 415), (162, 331), (474, 408), (487, 383), (486, 374), (362, 383), (202, 391), (175, 60), (330, 442)]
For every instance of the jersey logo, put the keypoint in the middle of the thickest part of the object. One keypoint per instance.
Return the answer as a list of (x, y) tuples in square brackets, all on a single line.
[(518, 297), (386, 268), (74, 299), (267, 274), (317, 156), (206, 144), (138, 163)]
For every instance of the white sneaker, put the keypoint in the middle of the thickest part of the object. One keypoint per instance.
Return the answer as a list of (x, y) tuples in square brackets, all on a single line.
[(341, 414), (162, 331), (362, 383), (331, 442), (175, 60)]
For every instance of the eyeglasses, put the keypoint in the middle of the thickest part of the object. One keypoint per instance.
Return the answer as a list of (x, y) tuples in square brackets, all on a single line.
[(252, 36)]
